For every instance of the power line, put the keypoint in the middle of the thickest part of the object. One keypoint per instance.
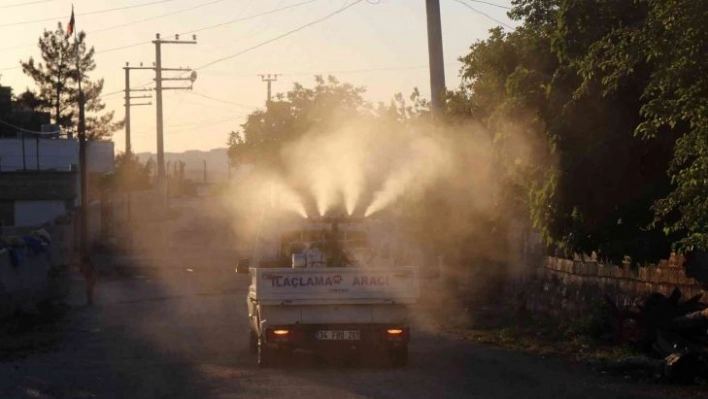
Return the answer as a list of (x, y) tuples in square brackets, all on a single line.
[(171, 113), (302, 73), (87, 13), (27, 131), (344, 71), (213, 106), (249, 17), (123, 47), (243, 51), (194, 125), (29, 3), (222, 101), (157, 16), (340, 71), (288, 33), (483, 14), (123, 90), (183, 33), (491, 4), (213, 26), (129, 24), (205, 124)]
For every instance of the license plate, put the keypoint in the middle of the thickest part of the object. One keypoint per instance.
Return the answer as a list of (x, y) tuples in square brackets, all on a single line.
[(338, 335)]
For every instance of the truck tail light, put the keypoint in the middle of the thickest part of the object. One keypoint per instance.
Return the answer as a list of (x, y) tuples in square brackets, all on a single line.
[(398, 335), (279, 335)]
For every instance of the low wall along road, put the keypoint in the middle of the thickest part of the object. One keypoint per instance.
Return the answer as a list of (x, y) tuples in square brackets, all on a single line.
[(565, 289)]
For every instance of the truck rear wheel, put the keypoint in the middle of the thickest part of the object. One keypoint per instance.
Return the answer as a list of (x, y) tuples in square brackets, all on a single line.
[(398, 356)]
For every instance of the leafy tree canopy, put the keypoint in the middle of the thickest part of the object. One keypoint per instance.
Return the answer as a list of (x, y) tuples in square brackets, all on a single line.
[(290, 116), (56, 77), (590, 183), (664, 45)]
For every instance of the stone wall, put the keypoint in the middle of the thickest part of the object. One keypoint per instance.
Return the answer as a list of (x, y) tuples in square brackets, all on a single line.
[(566, 289)]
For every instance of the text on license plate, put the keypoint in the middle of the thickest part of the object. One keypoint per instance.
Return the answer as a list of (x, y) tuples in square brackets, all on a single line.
[(338, 335)]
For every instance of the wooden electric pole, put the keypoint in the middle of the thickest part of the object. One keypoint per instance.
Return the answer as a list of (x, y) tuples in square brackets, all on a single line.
[(128, 104), (269, 79), (158, 100), (435, 57)]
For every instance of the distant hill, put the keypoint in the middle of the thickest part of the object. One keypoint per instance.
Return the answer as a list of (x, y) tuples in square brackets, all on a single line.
[(217, 165)]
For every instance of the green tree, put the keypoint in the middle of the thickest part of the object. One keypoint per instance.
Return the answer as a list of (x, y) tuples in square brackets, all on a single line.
[(625, 174), (589, 183), (664, 47), (56, 77), (289, 116), (28, 100)]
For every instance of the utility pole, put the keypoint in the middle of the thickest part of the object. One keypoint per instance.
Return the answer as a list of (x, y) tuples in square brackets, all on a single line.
[(437, 83), (269, 79), (158, 97), (435, 57), (85, 263), (128, 104)]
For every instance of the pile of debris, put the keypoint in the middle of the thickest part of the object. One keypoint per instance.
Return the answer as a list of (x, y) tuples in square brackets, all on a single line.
[(671, 332), (18, 247)]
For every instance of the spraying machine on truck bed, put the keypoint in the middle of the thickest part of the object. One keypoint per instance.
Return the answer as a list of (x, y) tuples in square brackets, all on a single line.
[(321, 287)]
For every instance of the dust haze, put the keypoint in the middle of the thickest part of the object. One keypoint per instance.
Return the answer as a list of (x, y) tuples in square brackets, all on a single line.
[(441, 182), (436, 185)]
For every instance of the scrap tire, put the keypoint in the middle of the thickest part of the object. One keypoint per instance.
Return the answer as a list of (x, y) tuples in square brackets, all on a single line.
[(398, 356), (252, 342), (266, 355)]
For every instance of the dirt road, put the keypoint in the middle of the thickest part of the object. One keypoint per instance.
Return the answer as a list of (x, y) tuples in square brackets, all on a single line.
[(178, 330)]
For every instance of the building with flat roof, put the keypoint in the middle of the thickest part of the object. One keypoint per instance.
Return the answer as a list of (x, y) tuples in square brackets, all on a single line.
[(39, 167)]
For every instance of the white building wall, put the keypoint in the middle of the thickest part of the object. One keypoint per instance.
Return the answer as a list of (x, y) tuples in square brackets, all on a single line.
[(33, 213)]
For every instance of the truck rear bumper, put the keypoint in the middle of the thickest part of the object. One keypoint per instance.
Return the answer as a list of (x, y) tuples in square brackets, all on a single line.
[(336, 336)]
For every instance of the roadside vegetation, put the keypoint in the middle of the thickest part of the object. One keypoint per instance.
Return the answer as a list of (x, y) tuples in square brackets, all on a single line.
[(595, 111)]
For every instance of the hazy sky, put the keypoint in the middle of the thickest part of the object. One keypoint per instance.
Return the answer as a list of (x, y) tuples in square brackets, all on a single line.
[(378, 44)]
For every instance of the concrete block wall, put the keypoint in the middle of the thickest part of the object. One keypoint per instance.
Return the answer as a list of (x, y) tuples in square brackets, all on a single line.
[(567, 289)]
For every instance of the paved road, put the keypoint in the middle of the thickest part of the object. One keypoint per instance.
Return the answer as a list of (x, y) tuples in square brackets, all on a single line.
[(179, 331)]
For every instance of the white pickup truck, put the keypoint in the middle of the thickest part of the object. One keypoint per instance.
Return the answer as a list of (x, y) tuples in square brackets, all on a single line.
[(296, 304)]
